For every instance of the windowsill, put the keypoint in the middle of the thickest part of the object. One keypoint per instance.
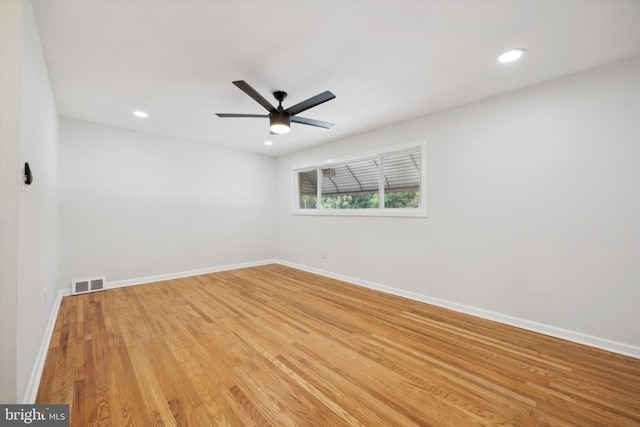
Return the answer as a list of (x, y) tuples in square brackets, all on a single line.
[(407, 213)]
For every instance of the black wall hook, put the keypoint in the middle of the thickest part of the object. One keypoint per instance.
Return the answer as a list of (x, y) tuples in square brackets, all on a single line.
[(28, 176)]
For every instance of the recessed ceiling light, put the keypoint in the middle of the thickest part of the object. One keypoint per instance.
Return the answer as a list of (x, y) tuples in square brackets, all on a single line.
[(268, 143), (141, 114), (511, 55)]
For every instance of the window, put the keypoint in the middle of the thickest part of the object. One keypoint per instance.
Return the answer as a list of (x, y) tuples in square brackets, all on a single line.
[(308, 189), (390, 183)]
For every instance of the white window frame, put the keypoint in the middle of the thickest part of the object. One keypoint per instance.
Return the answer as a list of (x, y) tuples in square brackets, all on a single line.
[(421, 211)]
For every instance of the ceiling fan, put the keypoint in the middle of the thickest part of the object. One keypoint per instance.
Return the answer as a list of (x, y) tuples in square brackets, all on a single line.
[(280, 119)]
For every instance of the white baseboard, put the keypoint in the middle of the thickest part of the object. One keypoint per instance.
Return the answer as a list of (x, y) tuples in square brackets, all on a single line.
[(577, 337), (183, 274), (36, 374)]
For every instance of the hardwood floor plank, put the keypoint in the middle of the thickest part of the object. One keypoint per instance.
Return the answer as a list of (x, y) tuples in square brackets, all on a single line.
[(271, 345)]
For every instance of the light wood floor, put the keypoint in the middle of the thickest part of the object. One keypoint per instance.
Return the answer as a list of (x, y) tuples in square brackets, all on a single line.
[(276, 346)]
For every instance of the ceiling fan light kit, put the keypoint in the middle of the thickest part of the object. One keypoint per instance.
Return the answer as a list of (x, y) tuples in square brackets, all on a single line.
[(280, 122), (280, 119)]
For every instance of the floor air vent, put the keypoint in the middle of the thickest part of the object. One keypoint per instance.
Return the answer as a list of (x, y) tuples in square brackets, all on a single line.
[(88, 285)]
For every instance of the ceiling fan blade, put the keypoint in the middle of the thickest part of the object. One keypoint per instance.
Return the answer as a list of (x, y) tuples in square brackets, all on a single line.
[(241, 115), (246, 88), (305, 121), (311, 102)]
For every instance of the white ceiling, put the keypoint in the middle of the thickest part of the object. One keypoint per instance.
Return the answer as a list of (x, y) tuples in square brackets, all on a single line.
[(386, 61)]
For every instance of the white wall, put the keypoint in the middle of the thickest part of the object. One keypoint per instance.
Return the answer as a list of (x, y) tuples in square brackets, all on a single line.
[(38, 205), (534, 208), (31, 253), (10, 28), (134, 205)]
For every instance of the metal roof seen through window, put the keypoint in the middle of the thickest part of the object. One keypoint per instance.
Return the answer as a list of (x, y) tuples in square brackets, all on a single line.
[(400, 172)]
